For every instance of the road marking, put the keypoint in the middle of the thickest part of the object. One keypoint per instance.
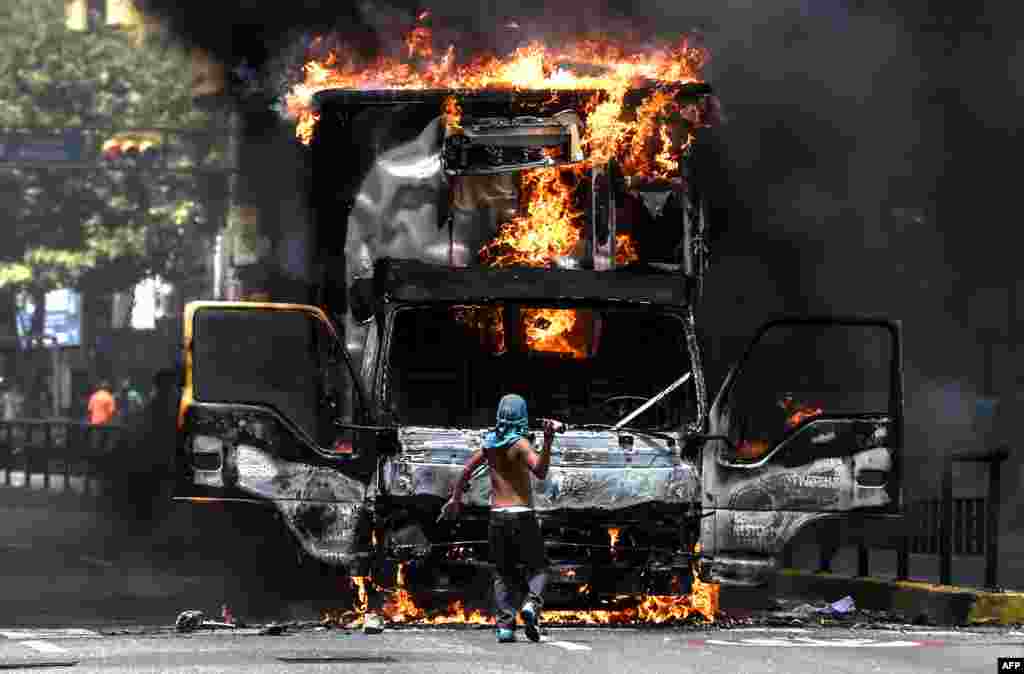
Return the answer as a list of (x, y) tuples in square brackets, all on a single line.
[(805, 642), (792, 630), (568, 645), (70, 633), (45, 647)]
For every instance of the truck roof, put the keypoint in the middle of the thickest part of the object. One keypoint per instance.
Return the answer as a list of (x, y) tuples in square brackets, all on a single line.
[(415, 281), (330, 98)]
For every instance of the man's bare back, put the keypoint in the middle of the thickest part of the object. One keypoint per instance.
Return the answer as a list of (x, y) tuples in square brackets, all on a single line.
[(510, 469), (510, 474)]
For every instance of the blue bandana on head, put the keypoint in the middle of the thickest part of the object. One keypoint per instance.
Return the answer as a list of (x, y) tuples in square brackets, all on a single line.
[(512, 423)]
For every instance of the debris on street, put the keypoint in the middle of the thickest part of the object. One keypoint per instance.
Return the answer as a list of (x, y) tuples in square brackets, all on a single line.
[(190, 621), (840, 607)]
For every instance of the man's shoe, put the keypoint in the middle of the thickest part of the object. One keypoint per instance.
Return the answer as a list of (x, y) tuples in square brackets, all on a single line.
[(506, 635), (531, 621), (372, 624)]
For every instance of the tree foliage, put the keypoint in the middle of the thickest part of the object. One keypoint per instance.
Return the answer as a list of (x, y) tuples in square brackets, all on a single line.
[(92, 223)]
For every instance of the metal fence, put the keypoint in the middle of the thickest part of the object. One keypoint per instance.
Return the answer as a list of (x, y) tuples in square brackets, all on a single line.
[(968, 526), (53, 447)]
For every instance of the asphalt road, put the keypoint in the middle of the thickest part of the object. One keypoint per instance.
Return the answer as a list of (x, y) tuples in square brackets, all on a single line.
[(474, 651)]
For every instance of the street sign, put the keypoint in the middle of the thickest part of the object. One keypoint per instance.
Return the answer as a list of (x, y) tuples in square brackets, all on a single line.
[(42, 147), (62, 322)]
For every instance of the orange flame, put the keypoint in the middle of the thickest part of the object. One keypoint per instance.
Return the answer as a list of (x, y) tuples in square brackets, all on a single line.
[(549, 230), (625, 250), (801, 414), (362, 598), (797, 411), (645, 145), (611, 68), (452, 114), (554, 331), (651, 609), (419, 42), (613, 540)]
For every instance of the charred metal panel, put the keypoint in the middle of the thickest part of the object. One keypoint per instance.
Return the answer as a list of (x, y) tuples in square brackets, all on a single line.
[(409, 281), (813, 469), (588, 471), (487, 102), (319, 505), (260, 457), (397, 207), (759, 532), (498, 144), (746, 570), (758, 507)]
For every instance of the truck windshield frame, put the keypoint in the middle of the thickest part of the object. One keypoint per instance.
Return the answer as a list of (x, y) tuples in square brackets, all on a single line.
[(456, 366)]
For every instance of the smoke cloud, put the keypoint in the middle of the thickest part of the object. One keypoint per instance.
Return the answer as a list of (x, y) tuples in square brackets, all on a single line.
[(849, 178)]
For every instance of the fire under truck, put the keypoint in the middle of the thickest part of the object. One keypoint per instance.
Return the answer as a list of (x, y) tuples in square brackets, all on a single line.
[(353, 416)]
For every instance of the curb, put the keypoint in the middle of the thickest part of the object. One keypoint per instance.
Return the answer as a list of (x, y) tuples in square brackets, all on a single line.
[(912, 600)]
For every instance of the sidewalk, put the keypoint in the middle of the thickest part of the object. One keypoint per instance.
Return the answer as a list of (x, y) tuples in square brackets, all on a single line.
[(921, 598)]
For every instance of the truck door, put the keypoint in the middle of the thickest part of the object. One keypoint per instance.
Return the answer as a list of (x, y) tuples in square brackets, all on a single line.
[(271, 408), (808, 425)]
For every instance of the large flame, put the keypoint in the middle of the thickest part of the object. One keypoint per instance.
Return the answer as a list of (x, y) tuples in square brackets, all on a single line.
[(606, 66), (549, 230), (647, 143), (401, 608), (555, 331)]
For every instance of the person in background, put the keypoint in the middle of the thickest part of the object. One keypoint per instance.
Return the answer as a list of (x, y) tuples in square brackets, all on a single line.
[(129, 401), (11, 400), (102, 406)]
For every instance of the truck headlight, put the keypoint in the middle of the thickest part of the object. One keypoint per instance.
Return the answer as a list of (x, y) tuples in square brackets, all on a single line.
[(207, 452)]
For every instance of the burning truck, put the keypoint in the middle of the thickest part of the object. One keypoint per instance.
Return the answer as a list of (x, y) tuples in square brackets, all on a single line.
[(532, 225)]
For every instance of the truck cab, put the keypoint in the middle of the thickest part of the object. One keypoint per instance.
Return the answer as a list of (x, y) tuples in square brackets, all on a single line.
[(628, 496)]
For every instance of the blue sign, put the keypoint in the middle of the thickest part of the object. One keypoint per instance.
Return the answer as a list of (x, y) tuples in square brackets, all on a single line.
[(61, 147), (62, 322)]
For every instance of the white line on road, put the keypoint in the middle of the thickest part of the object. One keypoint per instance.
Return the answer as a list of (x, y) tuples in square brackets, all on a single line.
[(45, 647), (803, 642), (793, 630), (568, 645), (71, 633)]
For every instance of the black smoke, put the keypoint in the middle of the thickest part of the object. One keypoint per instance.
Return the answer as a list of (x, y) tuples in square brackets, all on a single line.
[(862, 168)]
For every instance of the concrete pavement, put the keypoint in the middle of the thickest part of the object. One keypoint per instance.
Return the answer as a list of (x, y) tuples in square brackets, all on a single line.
[(562, 651)]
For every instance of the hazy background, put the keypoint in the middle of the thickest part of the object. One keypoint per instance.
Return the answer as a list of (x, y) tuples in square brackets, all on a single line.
[(865, 166)]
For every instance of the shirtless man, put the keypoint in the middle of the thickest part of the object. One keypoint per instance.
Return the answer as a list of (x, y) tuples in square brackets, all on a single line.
[(513, 535)]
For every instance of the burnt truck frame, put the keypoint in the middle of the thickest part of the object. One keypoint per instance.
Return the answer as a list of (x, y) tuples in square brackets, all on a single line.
[(279, 410)]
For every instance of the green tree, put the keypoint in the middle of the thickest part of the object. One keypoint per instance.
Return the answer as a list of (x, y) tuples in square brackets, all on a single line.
[(91, 224)]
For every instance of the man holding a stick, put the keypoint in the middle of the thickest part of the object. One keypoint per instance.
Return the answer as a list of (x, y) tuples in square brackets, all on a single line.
[(514, 535)]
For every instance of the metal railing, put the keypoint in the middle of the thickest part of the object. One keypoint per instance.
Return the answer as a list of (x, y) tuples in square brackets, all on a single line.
[(56, 447)]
